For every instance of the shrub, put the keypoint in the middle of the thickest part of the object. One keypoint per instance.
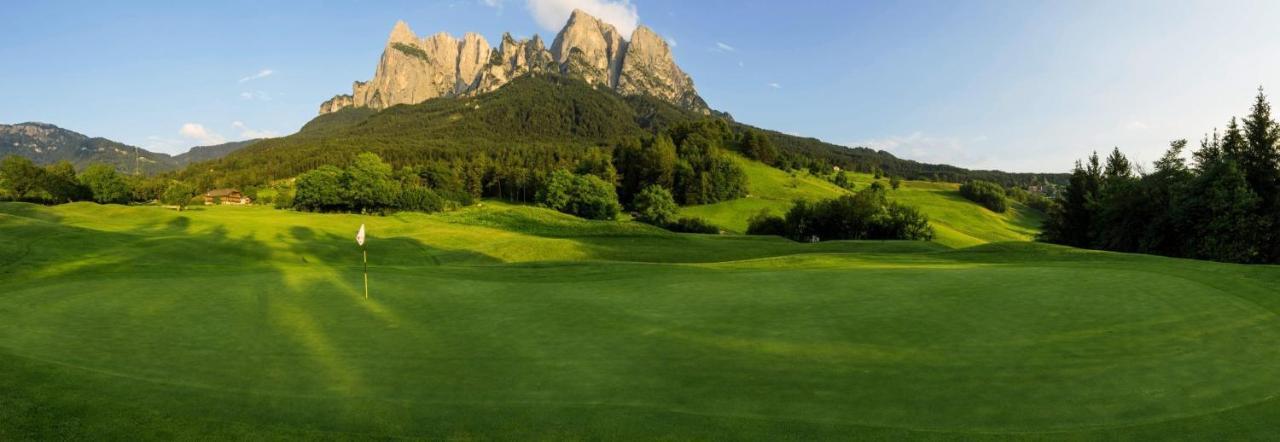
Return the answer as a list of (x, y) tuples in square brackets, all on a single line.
[(322, 189), (284, 195), (895, 182), (370, 186), (105, 184), (1017, 194), (178, 194), (654, 205), (420, 199), (842, 179), (692, 225), (905, 222), (586, 196), (864, 215), (766, 223), (1041, 203), (62, 185), (986, 193), (20, 176)]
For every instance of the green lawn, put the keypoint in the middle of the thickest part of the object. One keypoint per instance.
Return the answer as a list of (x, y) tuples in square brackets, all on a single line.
[(509, 322), (957, 222)]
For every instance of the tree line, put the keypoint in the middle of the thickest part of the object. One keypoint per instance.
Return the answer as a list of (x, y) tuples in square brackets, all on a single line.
[(1223, 205), (23, 180), (688, 163)]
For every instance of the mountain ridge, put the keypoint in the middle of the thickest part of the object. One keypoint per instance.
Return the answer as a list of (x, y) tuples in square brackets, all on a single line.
[(45, 143), (412, 69)]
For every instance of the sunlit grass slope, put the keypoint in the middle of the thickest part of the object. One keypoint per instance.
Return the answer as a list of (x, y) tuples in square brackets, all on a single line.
[(508, 322), (957, 222)]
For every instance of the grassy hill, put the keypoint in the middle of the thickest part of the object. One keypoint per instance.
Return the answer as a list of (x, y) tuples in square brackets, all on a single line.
[(511, 322), (957, 222)]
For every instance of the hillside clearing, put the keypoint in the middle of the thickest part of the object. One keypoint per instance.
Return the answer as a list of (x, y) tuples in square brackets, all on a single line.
[(957, 222)]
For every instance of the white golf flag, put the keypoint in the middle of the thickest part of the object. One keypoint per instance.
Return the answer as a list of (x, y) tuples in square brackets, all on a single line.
[(360, 235)]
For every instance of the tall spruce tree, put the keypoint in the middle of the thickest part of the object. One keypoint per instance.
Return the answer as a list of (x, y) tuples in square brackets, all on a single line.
[(1117, 223), (1069, 219), (1118, 167), (1259, 159), (1210, 150), (1260, 163), (1160, 206), (1233, 143)]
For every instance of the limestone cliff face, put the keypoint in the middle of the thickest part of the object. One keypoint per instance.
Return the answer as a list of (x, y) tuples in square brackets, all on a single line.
[(336, 103), (590, 49), (413, 70), (473, 55), (513, 59), (648, 68)]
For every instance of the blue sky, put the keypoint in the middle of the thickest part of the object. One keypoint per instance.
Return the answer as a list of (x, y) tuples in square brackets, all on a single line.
[(1013, 85)]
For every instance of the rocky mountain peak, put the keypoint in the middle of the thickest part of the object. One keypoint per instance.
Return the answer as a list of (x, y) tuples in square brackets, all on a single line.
[(413, 70), (400, 33), (589, 48)]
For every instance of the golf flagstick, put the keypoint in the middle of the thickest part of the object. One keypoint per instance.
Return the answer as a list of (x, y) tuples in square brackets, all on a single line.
[(364, 252)]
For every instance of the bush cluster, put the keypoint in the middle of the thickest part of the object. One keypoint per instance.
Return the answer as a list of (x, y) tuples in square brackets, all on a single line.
[(367, 186), (986, 193), (586, 196), (867, 214)]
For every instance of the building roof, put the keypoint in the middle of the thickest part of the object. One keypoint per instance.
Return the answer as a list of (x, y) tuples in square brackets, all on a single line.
[(221, 192)]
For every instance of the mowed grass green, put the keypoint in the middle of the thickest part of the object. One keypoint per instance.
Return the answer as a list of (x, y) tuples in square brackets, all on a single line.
[(509, 322), (957, 222)]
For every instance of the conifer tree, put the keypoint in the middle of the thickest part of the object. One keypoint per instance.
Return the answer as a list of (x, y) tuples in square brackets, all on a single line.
[(1259, 159)]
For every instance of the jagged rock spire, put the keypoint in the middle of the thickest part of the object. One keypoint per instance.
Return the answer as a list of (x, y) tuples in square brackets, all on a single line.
[(413, 70)]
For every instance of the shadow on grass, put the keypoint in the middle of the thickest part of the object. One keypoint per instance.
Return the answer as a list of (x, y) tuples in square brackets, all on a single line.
[(171, 318)]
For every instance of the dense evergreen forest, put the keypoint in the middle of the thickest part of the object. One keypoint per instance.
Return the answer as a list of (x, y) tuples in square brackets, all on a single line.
[(1223, 205), (539, 123)]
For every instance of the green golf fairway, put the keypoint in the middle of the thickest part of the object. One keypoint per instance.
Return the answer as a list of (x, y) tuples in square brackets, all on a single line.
[(509, 322)]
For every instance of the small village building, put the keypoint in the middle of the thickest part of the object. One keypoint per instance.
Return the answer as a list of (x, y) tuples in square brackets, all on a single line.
[(226, 196)]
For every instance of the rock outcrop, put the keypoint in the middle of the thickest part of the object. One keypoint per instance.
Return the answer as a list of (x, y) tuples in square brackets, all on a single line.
[(590, 49), (413, 70), (513, 59), (649, 69), (336, 103)]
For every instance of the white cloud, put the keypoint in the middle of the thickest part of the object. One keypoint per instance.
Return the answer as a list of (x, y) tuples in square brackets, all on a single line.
[(671, 42), (255, 95), (929, 149), (722, 47), (261, 74), (775, 85), (197, 132), (552, 14), (246, 132)]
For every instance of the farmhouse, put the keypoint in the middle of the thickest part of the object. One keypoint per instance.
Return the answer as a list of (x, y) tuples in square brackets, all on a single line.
[(226, 196)]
